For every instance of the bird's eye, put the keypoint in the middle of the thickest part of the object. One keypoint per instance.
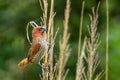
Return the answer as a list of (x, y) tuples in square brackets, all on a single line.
[(39, 29), (43, 30)]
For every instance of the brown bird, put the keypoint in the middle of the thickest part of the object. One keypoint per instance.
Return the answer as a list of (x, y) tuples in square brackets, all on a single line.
[(38, 46)]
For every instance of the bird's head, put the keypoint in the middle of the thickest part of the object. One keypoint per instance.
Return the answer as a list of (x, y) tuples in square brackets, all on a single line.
[(39, 32)]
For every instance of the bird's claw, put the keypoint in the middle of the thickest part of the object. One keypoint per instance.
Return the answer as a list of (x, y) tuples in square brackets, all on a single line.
[(45, 68)]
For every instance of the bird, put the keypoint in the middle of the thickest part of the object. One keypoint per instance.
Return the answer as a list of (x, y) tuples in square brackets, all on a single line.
[(38, 46)]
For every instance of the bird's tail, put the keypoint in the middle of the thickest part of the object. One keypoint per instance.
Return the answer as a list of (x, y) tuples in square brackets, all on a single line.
[(23, 63)]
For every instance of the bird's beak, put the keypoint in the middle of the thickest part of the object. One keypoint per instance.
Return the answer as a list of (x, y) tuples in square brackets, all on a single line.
[(43, 29)]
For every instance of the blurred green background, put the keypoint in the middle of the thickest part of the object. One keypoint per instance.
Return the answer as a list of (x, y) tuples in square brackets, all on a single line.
[(14, 16)]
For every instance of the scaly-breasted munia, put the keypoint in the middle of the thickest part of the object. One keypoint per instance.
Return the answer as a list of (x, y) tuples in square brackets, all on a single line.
[(38, 46)]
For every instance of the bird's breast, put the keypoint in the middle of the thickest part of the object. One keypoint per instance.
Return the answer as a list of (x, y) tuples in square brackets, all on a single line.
[(40, 53)]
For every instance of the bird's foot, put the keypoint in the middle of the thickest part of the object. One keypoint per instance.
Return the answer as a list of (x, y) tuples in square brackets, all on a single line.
[(45, 68)]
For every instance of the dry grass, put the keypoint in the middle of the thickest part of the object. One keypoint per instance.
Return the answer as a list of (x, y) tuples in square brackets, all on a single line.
[(92, 45), (107, 40), (80, 66), (44, 7), (48, 60), (64, 47), (57, 71), (91, 57), (49, 69)]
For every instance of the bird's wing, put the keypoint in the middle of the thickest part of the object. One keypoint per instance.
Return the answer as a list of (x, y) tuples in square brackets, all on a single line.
[(33, 51)]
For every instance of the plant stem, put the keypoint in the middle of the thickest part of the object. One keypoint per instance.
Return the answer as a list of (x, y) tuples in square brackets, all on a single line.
[(107, 40), (78, 73)]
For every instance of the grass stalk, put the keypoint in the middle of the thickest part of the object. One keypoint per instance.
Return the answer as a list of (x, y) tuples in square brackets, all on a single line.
[(44, 19), (92, 45), (50, 38), (79, 61), (107, 38), (64, 47), (49, 69), (44, 7)]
